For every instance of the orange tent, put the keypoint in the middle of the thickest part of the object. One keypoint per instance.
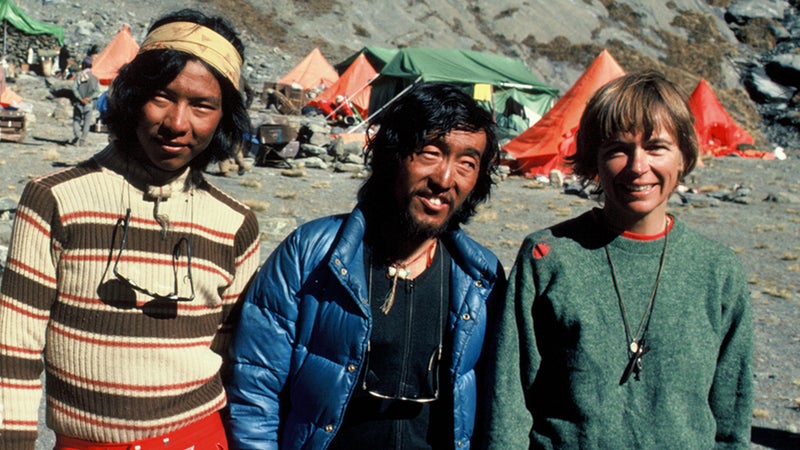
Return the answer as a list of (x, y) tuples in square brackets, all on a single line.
[(717, 133), (120, 51), (543, 147), (314, 71), (353, 84)]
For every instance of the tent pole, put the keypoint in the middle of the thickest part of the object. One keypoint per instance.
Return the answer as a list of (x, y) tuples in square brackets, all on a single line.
[(364, 123)]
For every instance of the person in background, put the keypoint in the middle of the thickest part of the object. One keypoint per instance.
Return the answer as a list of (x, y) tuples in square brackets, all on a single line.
[(363, 331), (93, 51), (237, 159), (622, 327), (271, 101), (124, 272), (63, 62), (344, 114), (85, 90)]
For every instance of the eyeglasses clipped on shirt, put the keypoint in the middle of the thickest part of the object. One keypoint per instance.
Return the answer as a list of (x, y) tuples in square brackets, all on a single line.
[(427, 391), (176, 255)]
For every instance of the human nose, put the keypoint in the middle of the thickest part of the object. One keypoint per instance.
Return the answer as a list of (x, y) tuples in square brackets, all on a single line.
[(639, 162), (442, 175), (176, 118)]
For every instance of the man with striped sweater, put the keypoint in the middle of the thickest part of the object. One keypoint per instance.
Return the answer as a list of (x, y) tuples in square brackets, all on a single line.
[(124, 271)]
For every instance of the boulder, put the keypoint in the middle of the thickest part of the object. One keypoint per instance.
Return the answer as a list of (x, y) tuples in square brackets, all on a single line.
[(740, 11), (764, 90), (784, 69), (8, 204)]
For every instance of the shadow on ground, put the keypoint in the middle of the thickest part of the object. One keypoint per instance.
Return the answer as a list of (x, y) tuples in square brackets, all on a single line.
[(52, 141), (777, 439)]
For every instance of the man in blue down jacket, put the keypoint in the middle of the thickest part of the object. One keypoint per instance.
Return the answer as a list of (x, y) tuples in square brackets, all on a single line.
[(363, 331)]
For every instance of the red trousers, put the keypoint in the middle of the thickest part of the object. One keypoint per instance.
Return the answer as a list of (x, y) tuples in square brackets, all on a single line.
[(205, 434)]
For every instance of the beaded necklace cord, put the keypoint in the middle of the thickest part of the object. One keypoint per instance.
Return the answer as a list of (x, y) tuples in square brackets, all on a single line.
[(401, 271), (636, 342)]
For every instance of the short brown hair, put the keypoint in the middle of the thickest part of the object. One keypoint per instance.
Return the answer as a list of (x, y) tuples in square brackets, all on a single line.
[(637, 102)]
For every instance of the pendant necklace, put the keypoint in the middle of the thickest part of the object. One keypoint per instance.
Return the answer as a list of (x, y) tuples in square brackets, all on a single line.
[(636, 342), (401, 271)]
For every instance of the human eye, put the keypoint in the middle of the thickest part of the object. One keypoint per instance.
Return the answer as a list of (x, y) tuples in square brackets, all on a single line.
[(660, 147), (161, 97), (611, 150), (204, 105), (469, 163), (430, 153)]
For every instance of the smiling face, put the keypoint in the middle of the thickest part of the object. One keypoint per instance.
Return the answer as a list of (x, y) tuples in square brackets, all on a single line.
[(638, 174), (179, 121), (434, 181)]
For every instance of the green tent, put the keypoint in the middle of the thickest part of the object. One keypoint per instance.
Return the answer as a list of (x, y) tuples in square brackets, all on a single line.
[(12, 14), (378, 57), (464, 67)]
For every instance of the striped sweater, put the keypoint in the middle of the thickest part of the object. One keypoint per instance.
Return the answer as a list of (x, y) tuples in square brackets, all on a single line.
[(120, 365)]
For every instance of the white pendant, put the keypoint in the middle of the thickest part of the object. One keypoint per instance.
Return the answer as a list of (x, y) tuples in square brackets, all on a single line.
[(634, 347), (399, 272)]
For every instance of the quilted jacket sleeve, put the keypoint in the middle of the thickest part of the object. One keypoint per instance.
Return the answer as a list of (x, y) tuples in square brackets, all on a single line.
[(262, 351)]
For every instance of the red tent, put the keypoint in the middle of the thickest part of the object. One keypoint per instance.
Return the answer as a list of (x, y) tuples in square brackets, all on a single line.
[(717, 133), (120, 51), (313, 71), (543, 146), (353, 84)]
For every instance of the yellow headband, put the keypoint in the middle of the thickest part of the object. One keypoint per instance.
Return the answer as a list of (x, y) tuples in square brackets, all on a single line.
[(202, 42)]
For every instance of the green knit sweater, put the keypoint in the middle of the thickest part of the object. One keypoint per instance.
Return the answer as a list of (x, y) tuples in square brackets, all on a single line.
[(120, 365), (561, 349)]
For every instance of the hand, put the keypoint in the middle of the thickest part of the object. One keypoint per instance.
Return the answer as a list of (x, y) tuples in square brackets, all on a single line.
[(85, 100)]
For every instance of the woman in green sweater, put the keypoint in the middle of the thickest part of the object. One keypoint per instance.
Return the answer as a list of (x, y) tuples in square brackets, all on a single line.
[(623, 328)]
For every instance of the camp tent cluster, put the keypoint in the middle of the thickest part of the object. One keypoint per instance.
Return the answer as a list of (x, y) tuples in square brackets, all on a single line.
[(540, 126), (373, 77), (545, 146)]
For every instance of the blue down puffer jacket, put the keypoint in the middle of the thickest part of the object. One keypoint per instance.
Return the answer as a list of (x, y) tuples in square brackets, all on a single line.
[(304, 330)]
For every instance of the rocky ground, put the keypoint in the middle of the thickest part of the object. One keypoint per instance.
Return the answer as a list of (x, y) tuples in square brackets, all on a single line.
[(751, 205)]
